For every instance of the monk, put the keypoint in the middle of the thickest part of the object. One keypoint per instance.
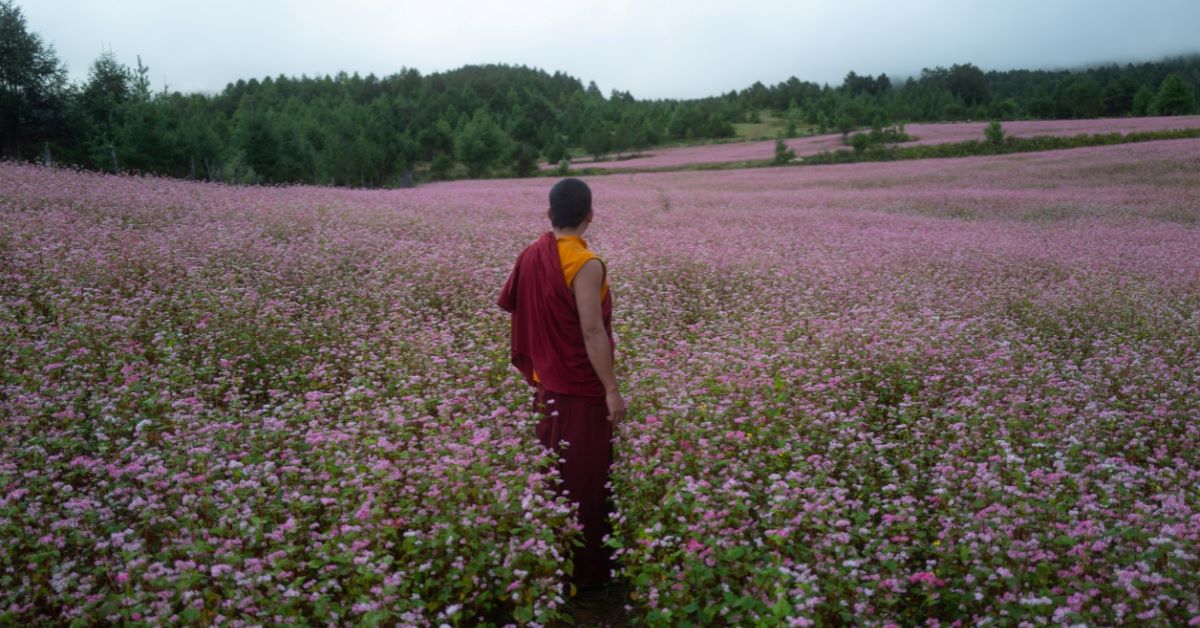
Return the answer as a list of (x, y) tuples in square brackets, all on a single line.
[(562, 343)]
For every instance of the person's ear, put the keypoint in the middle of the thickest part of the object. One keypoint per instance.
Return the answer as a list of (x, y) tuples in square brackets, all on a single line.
[(550, 214)]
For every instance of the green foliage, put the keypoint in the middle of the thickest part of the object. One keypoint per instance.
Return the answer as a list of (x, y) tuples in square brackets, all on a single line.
[(481, 143), (1081, 97), (33, 87), (436, 139), (968, 83), (1009, 145), (791, 127), (859, 142), (441, 167), (524, 160), (1118, 95), (994, 133), (1175, 97), (103, 100), (783, 154), (599, 140), (556, 151), (845, 124), (357, 130), (1005, 109), (718, 126), (633, 133), (1143, 101)]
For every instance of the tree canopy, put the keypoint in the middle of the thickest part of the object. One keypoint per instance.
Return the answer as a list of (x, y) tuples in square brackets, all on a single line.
[(487, 120)]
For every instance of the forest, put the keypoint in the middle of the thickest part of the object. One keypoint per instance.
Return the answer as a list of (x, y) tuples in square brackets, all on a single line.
[(491, 120)]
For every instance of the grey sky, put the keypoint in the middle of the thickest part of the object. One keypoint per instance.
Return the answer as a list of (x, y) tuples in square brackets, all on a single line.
[(653, 49)]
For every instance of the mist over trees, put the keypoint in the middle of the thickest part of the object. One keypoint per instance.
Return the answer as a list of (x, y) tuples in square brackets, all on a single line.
[(486, 120)]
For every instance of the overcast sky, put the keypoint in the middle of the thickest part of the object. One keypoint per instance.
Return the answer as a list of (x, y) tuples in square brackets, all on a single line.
[(681, 49)]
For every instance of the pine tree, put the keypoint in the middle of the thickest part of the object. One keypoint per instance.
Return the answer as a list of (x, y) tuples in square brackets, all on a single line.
[(33, 86), (1175, 97), (1143, 101), (783, 154), (481, 143)]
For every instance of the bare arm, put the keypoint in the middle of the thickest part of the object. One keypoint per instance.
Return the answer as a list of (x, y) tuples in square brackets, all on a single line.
[(587, 286)]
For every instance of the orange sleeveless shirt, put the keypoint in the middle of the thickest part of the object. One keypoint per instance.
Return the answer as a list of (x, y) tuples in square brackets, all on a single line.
[(573, 254)]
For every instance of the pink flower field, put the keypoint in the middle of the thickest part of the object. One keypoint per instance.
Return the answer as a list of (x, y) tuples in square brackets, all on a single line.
[(942, 133), (962, 390)]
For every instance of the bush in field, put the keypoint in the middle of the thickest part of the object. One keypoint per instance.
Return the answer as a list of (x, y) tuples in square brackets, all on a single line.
[(783, 154), (994, 133), (859, 142)]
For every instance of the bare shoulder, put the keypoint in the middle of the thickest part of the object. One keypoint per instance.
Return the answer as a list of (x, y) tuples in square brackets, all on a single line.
[(591, 273)]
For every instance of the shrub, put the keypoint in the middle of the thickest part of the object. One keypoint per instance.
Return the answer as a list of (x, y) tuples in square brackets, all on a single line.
[(783, 154), (994, 133), (859, 142)]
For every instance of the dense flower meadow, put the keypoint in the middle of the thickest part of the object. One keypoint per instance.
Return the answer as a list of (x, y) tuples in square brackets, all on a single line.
[(957, 390), (928, 133)]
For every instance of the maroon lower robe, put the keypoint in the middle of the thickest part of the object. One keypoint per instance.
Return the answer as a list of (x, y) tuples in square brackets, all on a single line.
[(582, 424), (547, 337)]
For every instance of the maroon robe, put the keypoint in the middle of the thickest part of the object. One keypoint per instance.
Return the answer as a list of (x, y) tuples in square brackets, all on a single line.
[(547, 337), (546, 333)]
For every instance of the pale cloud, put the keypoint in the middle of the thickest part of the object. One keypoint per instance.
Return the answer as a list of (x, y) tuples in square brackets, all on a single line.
[(653, 49)]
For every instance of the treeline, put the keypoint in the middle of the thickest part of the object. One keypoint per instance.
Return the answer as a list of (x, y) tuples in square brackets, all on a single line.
[(492, 120), (965, 92)]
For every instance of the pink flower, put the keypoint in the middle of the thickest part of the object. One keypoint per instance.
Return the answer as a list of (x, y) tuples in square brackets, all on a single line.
[(926, 577)]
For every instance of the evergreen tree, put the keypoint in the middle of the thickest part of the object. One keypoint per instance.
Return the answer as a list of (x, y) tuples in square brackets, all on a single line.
[(256, 141), (718, 126), (1081, 97), (845, 124), (1118, 96), (783, 154), (107, 91), (349, 129), (1143, 101), (436, 139), (33, 87), (994, 133), (859, 142), (1175, 97), (598, 140), (524, 160), (441, 167), (481, 143), (968, 83), (555, 151)]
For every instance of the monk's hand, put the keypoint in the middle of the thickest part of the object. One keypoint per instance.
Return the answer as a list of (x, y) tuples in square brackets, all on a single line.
[(616, 405)]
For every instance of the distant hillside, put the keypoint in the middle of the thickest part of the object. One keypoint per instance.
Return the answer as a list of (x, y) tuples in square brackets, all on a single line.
[(488, 120)]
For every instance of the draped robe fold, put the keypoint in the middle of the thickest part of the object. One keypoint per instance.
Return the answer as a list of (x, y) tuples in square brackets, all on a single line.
[(547, 338)]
